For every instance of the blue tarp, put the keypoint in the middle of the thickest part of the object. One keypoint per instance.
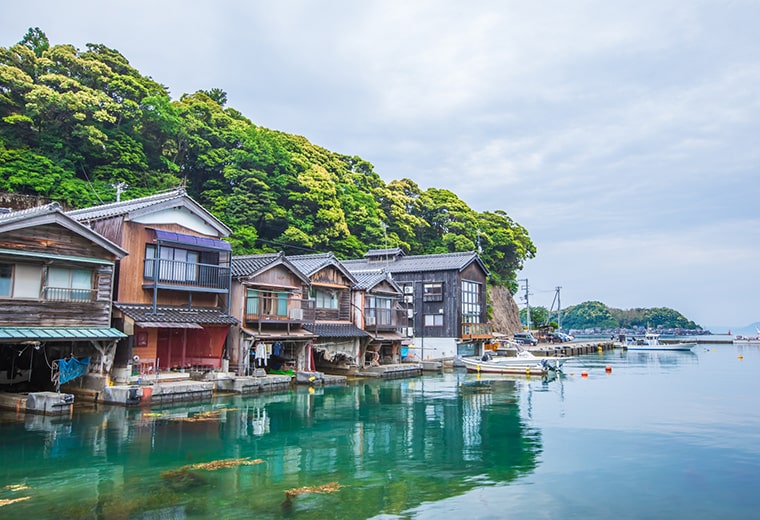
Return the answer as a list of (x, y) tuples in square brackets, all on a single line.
[(69, 369)]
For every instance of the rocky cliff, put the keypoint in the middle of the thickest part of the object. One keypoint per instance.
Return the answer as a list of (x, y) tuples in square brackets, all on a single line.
[(505, 315)]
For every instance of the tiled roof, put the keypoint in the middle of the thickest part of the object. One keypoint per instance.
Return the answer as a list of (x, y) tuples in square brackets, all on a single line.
[(418, 263), (310, 264), (249, 264), (335, 330), (168, 315), (126, 206), (367, 279)]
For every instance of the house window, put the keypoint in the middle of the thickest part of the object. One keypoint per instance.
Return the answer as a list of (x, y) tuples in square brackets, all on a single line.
[(68, 285), (266, 303), (6, 280), (434, 320), (471, 308), (378, 310), (324, 298), (432, 292), (175, 264), (20, 281)]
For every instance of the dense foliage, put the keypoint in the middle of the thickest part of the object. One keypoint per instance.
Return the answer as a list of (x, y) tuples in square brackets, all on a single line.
[(77, 123), (596, 315)]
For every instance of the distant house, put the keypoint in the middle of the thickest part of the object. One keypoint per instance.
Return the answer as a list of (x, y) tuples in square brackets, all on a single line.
[(56, 281), (447, 295), (339, 343), (173, 290), (270, 299)]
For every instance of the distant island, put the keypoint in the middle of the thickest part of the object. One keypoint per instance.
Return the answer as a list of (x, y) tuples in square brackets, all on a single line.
[(595, 315)]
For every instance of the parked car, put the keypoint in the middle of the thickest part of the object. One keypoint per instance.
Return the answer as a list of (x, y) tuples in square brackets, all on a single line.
[(526, 338), (565, 337)]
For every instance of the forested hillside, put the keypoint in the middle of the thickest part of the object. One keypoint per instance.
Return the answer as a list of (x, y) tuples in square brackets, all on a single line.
[(596, 315), (76, 123)]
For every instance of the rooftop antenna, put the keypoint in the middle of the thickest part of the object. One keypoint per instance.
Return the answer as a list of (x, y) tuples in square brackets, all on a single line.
[(120, 187)]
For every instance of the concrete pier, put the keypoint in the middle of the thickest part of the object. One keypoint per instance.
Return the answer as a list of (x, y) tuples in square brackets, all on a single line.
[(41, 403)]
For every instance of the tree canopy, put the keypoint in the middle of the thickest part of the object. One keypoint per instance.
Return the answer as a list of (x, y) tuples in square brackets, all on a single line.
[(77, 122), (596, 315)]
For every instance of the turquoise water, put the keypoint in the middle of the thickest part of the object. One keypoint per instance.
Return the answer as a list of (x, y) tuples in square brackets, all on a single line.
[(662, 435)]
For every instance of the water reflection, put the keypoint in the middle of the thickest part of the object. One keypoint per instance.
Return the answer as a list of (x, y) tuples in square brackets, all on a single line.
[(390, 445)]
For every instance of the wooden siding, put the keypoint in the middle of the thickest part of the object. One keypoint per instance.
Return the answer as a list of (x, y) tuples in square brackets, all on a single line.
[(131, 271), (53, 239), (37, 313)]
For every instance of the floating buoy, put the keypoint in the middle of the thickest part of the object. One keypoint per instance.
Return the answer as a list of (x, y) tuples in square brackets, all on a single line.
[(584, 374), (741, 357), (608, 369)]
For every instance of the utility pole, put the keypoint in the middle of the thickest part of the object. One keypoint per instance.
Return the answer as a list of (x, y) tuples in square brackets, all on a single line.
[(527, 303), (559, 310)]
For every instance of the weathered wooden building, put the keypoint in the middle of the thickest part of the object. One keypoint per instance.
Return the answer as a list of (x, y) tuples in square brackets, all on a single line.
[(270, 299), (339, 343), (380, 312), (173, 289), (56, 282), (447, 296)]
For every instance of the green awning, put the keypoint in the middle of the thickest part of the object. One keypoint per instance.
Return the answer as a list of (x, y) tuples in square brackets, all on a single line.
[(58, 333)]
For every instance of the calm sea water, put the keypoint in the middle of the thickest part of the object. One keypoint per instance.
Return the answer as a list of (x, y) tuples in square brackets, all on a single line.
[(663, 435)]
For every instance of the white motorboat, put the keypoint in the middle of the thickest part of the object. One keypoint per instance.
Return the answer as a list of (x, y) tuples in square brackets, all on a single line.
[(524, 362), (651, 341)]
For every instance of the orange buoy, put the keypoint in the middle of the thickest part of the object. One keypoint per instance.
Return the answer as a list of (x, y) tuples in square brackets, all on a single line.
[(584, 374), (608, 369)]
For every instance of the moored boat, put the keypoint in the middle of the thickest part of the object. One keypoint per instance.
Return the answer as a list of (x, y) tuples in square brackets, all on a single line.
[(651, 341), (525, 362)]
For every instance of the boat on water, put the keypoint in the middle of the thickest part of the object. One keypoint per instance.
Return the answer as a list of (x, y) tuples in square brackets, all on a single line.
[(651, 341), (748, 340), (524, 362)]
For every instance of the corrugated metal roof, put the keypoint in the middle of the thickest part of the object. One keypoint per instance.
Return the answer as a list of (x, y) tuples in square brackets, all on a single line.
[(418, 263), (58, 333), (169, 316), (12, 216), (122, 207)]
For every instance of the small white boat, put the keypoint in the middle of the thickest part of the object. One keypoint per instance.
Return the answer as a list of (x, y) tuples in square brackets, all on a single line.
[(524, 362), (651, 341)]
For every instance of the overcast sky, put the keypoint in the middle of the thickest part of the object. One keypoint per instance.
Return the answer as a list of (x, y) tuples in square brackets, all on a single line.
[(622, 134)]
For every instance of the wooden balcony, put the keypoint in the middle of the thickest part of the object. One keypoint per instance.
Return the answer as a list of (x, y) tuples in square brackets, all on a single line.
[(279, 309), (476, 331), (186, 276), (376, 319)]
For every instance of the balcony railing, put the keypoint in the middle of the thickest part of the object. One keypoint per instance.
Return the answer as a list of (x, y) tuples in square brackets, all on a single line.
[(476, 331), (265, 308), (67, 294), (197, 276), (377, 318)]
